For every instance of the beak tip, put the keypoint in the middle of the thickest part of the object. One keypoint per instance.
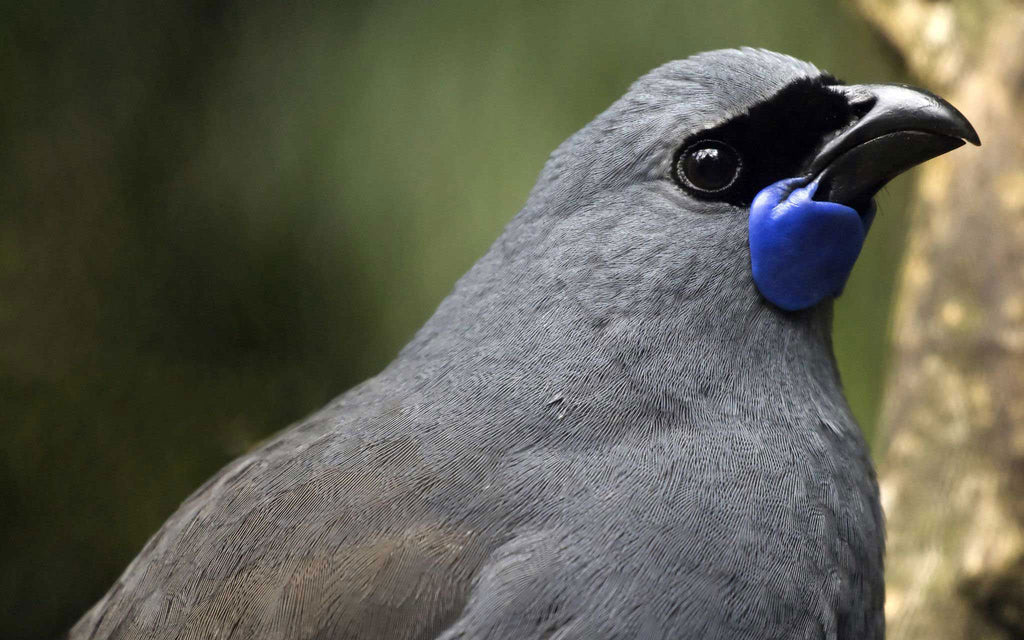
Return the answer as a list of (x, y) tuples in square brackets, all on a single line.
[(966, 130), (964, 127)]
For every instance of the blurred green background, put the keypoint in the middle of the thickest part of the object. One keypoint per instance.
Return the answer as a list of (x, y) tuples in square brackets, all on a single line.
[(215, 216)]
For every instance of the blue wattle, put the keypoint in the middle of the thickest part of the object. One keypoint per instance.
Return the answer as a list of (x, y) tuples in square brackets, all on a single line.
[(802, 250)]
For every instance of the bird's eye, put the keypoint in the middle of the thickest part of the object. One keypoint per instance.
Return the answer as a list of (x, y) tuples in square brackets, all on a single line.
[(708, 166)]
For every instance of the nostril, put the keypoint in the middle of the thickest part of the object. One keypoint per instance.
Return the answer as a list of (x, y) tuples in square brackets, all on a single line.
[(860, 107), (860, 101)]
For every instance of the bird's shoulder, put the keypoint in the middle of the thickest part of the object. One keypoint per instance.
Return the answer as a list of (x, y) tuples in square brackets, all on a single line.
[(327, 528)]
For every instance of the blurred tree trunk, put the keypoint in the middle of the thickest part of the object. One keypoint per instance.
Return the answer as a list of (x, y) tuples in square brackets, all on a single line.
[(952, 430)]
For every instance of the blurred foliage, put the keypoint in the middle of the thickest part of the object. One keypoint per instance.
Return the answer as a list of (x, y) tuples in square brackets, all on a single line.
[(215, 216)]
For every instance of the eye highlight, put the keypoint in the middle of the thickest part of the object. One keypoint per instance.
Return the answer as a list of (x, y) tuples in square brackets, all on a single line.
[(708, 166)]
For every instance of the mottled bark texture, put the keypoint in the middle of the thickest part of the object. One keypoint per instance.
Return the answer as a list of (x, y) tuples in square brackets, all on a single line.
[(952, 431)]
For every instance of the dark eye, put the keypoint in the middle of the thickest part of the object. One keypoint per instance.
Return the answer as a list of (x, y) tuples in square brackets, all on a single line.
[(708, 166)]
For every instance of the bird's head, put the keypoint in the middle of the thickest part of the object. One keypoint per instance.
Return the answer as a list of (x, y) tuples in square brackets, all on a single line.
[(742, 172)]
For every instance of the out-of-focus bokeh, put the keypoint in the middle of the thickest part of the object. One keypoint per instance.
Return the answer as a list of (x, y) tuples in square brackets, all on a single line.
[(215, 216)]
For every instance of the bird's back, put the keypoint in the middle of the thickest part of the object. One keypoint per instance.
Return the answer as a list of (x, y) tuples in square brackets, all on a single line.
[(370, 520)]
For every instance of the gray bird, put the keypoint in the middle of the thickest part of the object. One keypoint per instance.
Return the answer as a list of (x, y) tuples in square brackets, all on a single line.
[(624, 422)]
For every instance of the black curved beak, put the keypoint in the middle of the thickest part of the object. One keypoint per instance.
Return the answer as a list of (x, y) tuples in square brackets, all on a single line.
[(900, 127)]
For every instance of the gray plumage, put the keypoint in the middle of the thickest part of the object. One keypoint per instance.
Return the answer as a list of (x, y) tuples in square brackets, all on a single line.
[(603, 432)]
